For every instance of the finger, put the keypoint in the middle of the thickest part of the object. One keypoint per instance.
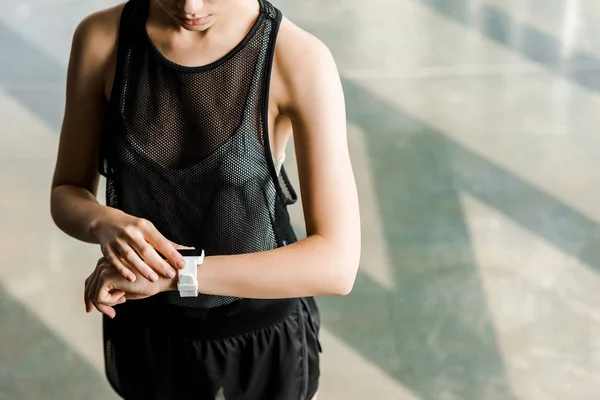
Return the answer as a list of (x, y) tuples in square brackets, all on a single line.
[(116, 262), (121, 299), (164, 245), (89, 306), (101, 260), (132, 258), (119, 295), (151, 257), (91, 287), (102, 285), (106, 310), (105, 293), (85, 297), (112, 288)]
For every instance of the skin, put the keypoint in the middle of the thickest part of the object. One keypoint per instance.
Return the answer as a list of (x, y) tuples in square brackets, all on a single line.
[(306, 97)]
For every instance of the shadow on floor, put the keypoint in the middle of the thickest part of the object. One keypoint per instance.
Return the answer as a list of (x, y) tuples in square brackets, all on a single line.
[(35, 364), (445, 344)]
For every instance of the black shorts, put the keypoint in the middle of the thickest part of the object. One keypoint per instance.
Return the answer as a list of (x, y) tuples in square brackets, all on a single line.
[(174, 359)]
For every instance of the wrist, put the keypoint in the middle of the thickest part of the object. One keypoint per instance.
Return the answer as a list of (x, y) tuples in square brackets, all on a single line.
[(168, 284), (207, 282), (96, 222), (93, 227)]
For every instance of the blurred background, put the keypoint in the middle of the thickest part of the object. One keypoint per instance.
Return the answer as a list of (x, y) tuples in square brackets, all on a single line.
[(473, 127)]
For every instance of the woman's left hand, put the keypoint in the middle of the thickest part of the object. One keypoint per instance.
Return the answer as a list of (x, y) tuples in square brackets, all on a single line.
[(106, 287)]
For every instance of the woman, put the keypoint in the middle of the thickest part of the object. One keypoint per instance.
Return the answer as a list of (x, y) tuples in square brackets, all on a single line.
[(186, 107)]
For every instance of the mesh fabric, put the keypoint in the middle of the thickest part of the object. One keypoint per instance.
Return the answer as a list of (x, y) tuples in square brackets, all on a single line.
[(187, 147)]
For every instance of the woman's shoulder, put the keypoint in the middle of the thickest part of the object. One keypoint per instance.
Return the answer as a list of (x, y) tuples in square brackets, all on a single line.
[(96, 34), (296, 45), (301, 58), (94, 45), (100, 26)]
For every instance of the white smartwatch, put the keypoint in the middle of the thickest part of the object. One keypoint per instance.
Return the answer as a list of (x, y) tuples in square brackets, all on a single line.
[(187, 285)]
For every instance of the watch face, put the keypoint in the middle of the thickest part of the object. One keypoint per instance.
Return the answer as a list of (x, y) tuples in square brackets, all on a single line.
[(190, 252)]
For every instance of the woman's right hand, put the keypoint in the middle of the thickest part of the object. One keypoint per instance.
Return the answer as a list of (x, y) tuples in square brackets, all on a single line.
[(124, 237)]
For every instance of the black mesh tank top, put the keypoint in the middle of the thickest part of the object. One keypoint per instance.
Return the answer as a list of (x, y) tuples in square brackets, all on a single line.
[(187, 147)]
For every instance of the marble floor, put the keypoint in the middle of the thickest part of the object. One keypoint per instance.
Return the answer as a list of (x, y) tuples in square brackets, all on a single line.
[(471, 127)]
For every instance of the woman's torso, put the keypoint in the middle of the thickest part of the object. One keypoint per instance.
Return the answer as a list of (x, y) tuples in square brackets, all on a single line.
[(187, 147), (280, 127)]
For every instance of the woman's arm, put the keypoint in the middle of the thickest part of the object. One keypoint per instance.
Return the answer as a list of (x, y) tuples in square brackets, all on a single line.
[(326, 262), (73, 201), (73, 204)]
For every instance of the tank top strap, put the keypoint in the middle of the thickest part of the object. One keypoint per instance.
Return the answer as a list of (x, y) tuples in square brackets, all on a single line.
[(262, 71), (128, 34)]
